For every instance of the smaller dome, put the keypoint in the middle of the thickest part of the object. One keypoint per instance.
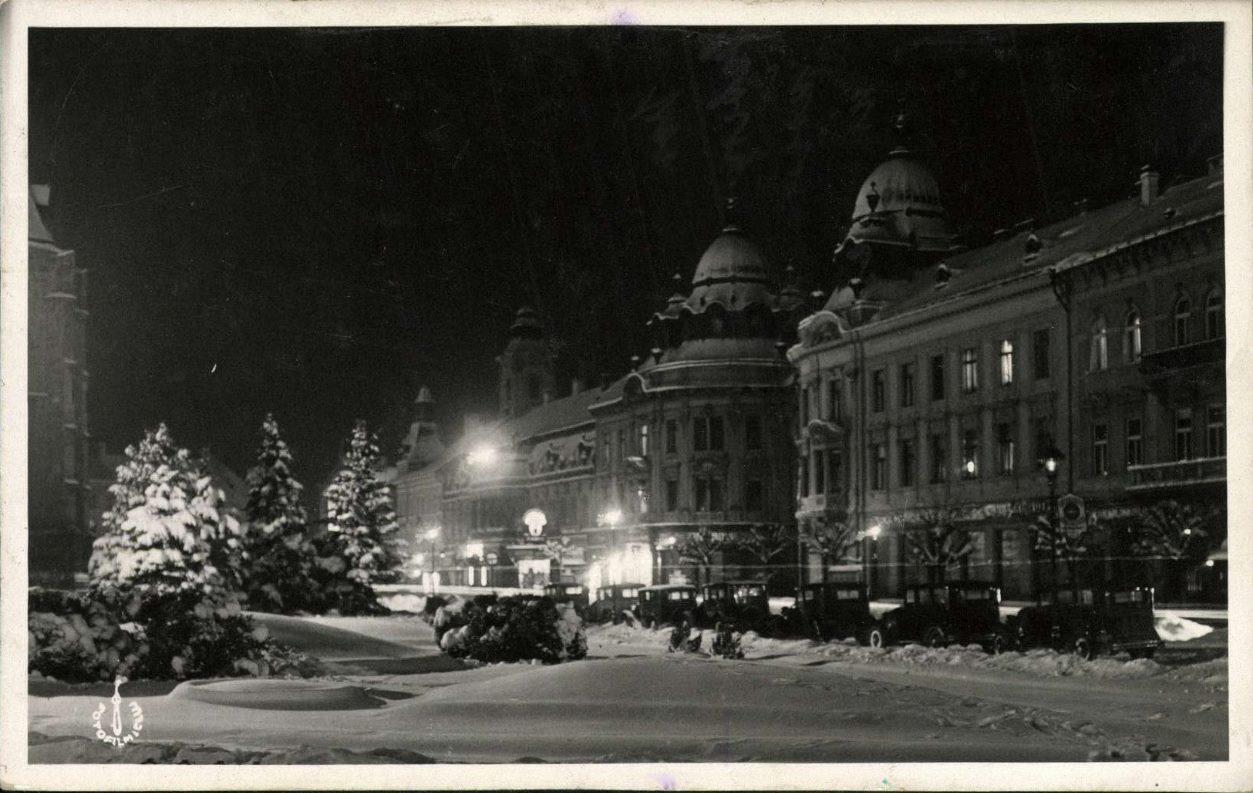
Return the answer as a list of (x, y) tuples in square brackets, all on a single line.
[(731, 256), (899, 204), (526, 323)]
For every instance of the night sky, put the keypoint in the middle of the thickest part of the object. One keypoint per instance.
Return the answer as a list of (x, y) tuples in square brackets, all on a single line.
[(315, 222)]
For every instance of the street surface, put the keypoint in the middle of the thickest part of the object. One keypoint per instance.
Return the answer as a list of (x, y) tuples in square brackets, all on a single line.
[(790, 700)]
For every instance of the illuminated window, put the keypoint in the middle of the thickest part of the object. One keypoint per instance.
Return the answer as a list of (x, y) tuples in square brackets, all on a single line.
[(1004, 450), (970, 369), (1098, 357), (970, 454), (1133, 343), (1007, 362)]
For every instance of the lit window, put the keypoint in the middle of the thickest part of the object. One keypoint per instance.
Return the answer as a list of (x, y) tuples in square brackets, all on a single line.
[(1007, 362), (970, 454), (1183, 313), (970, 369), (1214, 315), (1100, 449), (1133, 345), (1216, 431), (1183, 434), (642, 440), (1098, 359)]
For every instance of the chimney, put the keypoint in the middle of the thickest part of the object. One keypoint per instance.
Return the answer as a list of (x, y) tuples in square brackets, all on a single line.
[(1148, 185)]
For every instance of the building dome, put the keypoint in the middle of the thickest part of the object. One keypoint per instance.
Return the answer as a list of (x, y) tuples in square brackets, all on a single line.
[(732, 272), (899, 204)]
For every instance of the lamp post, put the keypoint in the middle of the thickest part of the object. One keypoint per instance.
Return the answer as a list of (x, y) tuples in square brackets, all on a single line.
[(612, 517), (431, 535), (1050, 463), (872, 557)]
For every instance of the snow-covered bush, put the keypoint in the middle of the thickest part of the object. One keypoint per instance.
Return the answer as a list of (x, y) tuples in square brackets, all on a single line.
[(76, 637), (278, 576), (359, 547), (511, 629)]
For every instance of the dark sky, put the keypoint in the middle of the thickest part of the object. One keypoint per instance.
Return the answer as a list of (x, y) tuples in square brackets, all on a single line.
[(314, 222)]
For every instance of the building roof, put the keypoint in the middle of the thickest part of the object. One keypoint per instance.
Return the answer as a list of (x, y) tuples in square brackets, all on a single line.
[(554, 415), (899, 204), (1067, 243), (732, 272)]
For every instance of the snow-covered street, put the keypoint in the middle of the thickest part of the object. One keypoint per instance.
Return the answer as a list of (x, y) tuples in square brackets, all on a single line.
[(630, 700)]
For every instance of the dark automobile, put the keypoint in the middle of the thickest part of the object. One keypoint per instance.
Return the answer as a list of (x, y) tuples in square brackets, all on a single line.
[(741, 603), (1087, 622), (665, 605), (612, 601), (575, 594), (936, 615), (836, 611)]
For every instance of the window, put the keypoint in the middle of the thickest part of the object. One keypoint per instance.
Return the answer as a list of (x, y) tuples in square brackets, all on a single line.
[(1040, 354), (939, 459), (672, 436), (803, 477), (1098, 357), (708, 493), (1214, 315), (878, 473), (1132, 343), (833, 400), (906, 458), (1007, 362), (1183, 313), (970, 454), (907, 385), (1135, 442), (937, 377), (622, 447), (1183, 434), (820, 473), (1043, 438), (753, 495), (707, 434), (641, 440), (1100, 449), (877, 390), (1216, 431), (1004, 450), (804, 407), (834, 464), (672, 495), (970, 369), (752, 433)]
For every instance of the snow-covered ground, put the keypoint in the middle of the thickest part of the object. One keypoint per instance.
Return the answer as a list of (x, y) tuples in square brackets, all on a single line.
[(789, 700)]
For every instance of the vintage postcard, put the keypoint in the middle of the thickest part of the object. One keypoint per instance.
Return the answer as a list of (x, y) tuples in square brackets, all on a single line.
[(726, 395)]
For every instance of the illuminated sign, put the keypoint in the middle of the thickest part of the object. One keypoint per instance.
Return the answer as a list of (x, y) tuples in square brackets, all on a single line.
[(535, 521)]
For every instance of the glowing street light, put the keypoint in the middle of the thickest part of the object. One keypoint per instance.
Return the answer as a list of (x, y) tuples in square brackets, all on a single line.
[(482, 455), (874, 531), (612, 517)]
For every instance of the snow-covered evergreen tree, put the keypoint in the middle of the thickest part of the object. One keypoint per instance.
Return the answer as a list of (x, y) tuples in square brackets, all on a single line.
[(278, 544), (166, 532), (361, 528)]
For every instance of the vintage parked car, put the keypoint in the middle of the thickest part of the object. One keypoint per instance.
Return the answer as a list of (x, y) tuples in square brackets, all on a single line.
[(835, 611), (666, 604), (568, 592), (741, 603), (1093, 622), (936, 615), (612, 601)]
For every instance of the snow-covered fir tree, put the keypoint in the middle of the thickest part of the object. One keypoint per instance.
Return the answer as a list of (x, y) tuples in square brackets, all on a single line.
[(279, 547), (361, 529), (166, 531)]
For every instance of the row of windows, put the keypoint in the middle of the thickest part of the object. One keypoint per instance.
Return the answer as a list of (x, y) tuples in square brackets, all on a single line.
[(1006, 456), (708, 435), (708, 494), (1184, 439), (1133, 331)]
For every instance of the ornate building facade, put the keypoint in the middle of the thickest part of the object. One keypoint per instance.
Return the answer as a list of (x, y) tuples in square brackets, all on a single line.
[(934, 383)]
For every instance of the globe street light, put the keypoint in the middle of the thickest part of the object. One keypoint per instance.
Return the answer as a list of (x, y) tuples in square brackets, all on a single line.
[(1052, 459), (431, 535)]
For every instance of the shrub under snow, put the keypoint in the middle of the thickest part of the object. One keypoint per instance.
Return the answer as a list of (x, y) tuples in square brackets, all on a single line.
[(511, 629)]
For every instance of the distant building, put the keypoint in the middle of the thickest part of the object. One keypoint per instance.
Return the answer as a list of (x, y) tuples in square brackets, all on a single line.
[(58, 438), (935, 380)]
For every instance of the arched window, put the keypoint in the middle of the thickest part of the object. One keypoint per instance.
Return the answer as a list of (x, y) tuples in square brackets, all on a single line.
[(1133, 342), (1098, 358), (1214, 315), (1183, 313)]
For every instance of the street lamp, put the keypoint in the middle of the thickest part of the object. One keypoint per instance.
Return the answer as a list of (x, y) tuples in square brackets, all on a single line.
[(1052, 459), (872, 557), (431, 535), (482, 455)]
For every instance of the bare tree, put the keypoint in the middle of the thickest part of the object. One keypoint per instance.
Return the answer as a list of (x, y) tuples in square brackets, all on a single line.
[(937, 541), (763, 543), (1174, 532), (1072, 546), (833, 539), (700, 549)]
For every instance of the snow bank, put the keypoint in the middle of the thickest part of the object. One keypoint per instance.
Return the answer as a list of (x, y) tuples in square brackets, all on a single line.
[(1173, 628), (403, 601)]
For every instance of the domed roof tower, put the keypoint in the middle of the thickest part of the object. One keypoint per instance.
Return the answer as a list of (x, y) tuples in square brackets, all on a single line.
[(526, 366)]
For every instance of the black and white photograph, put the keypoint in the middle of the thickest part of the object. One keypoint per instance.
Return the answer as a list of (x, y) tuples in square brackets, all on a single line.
[(731, 393)]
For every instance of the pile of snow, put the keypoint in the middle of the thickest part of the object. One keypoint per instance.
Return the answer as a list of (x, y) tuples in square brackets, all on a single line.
[(1211, 673), (403, 601), (1038, 662), (1173, 628)]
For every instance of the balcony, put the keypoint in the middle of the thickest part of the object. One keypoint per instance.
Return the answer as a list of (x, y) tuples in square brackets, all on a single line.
[(1173, 359), (1178, 474)]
